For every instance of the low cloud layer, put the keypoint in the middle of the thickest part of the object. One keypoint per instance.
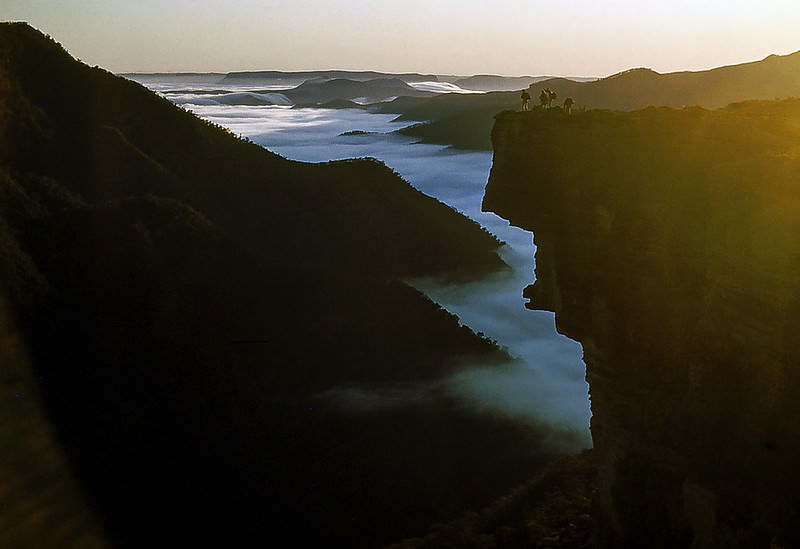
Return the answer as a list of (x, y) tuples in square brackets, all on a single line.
[(545, 385)]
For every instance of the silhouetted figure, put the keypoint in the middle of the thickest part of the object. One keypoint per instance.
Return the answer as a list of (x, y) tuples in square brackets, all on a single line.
[(547, 97), (551, 96), (526, 99), (544, 97), (568, 102)]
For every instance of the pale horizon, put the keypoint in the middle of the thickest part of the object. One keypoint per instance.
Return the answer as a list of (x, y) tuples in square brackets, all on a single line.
[(576, 38)]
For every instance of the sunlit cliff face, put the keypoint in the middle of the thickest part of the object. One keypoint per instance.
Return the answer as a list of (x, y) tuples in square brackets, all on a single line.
[(667, 245)]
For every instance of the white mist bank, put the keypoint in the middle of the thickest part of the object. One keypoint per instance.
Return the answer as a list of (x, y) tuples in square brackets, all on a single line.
[(189, 92), (546, 385), (441, 87)]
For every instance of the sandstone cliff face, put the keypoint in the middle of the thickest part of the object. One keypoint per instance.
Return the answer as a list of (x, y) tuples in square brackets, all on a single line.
[(667, 244)]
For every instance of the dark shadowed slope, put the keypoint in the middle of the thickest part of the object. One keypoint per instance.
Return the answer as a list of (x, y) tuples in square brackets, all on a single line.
[(461, 121), (552, 510), (41, 504), (194, 306), (95, 121)]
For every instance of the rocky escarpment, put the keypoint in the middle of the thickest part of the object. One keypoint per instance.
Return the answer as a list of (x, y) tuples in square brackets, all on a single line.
[(667, 245)]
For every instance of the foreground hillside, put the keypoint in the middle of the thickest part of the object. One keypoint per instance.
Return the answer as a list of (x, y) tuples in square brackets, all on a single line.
[(667, 244), (222, 347)]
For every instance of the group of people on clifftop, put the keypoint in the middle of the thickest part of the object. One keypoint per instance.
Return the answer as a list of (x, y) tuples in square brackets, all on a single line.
[(546, 98)]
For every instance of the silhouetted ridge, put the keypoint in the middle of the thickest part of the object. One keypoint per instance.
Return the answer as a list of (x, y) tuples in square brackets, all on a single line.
[(369, 91), (467, 122), (191, 301), (292, 76), (188, 159)]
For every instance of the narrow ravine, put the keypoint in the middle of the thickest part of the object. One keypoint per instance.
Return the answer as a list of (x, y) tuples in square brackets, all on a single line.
[(547, 385)]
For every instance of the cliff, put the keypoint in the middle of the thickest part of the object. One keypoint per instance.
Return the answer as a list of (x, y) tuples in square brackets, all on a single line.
[(667, 245)]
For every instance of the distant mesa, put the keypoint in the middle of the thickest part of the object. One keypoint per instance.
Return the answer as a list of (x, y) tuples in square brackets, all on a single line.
[(357, 91), (238, 98), (252, 98), (174, 77), (296, 77)]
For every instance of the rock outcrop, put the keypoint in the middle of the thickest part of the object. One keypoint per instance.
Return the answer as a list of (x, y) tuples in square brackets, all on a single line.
[(667, 245)]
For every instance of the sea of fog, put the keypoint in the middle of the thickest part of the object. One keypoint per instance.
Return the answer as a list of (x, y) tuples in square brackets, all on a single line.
[(546, 386)]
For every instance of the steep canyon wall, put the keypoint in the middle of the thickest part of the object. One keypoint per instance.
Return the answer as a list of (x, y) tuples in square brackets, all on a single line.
[(667, 245)]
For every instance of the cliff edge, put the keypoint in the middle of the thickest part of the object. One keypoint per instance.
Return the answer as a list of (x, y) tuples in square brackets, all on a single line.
[(667, 245)]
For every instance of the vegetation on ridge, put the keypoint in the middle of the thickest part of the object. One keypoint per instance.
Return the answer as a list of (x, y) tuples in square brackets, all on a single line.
[(465, 121)]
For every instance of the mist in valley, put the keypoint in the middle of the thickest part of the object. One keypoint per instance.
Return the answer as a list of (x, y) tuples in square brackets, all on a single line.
[(544, 387), (212, 344)]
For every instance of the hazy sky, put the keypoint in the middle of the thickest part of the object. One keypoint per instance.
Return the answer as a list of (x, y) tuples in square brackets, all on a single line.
[(565, 37)]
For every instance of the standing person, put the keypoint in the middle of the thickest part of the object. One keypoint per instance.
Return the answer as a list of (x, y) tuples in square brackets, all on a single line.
[(544, 97), (526, 99)]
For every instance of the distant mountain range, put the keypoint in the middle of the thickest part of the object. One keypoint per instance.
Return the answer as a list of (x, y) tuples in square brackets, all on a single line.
[(291, 79), (466, 122), (775, 77), (259, 77)]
